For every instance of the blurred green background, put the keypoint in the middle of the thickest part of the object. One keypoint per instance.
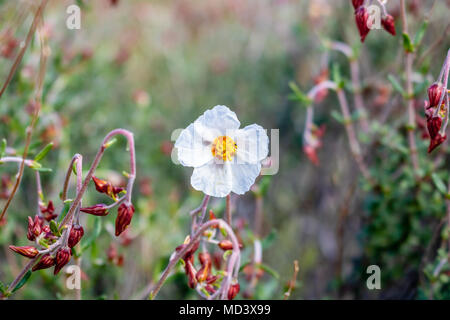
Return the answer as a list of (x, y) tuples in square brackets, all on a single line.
[(154, 66)]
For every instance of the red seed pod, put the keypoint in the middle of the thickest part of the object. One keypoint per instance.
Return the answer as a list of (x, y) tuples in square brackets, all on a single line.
[(233, 291), (75, 235), (217, 260), (362, 18), (62, 258), (225, 245), (34, 228), (435, 92), (124, 215), (100, 209), (26, 251), (357, 3), (46, 261), (389, 24)]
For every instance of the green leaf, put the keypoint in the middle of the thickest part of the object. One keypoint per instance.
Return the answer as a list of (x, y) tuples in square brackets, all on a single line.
[(298, 95), (396, 85), (337, 116), (440, 185), (41, 155), (269, 270), (336, 75), (420, 33), (22, 281), (269, 239), (407, 44), (3, 288), (3, 148), (54, 228), (43, 169)]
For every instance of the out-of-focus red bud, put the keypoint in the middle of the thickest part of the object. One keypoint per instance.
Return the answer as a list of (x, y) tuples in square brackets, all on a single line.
[(112, 252), (75, 235), (436, 141), (210, 289), (34, 228), (100, 209), (202, 273), (26, 251), (204, 258), (225, 245), (62, 258), (435, 92), (217, 260), (311, 153), (191, 273), (46, 261), (233, 291), (120, 261), (124, 215), (357, 3), (362, 18), (49, 211), (389, 24), (211, 279)]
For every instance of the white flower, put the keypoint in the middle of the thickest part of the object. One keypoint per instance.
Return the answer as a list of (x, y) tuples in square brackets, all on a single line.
[(225, 158)]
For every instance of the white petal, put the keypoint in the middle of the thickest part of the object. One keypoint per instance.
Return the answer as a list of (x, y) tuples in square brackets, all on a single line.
[(220, 118), (244, 176), (252, 144), (193, 149), (213, 179)]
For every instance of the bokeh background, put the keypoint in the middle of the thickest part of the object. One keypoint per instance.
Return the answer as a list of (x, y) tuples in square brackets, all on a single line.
[(155, 66)]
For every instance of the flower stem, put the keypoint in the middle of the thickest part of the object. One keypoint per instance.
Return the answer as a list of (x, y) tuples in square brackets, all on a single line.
[(409, 58)]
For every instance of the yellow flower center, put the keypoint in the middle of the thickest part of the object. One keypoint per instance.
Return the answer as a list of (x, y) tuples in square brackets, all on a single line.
[(224, 148)]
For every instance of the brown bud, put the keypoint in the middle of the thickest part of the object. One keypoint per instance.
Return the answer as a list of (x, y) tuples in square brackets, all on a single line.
[(124, 215), (233, 291), (388, 24), (75, 235), (357, 3), (362, 18), (62, 258), (34, 228), (46, 261), (26, 251), (435, 92), (100, 209)]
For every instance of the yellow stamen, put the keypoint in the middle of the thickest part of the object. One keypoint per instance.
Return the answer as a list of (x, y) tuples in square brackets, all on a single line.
[(224, 148)]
